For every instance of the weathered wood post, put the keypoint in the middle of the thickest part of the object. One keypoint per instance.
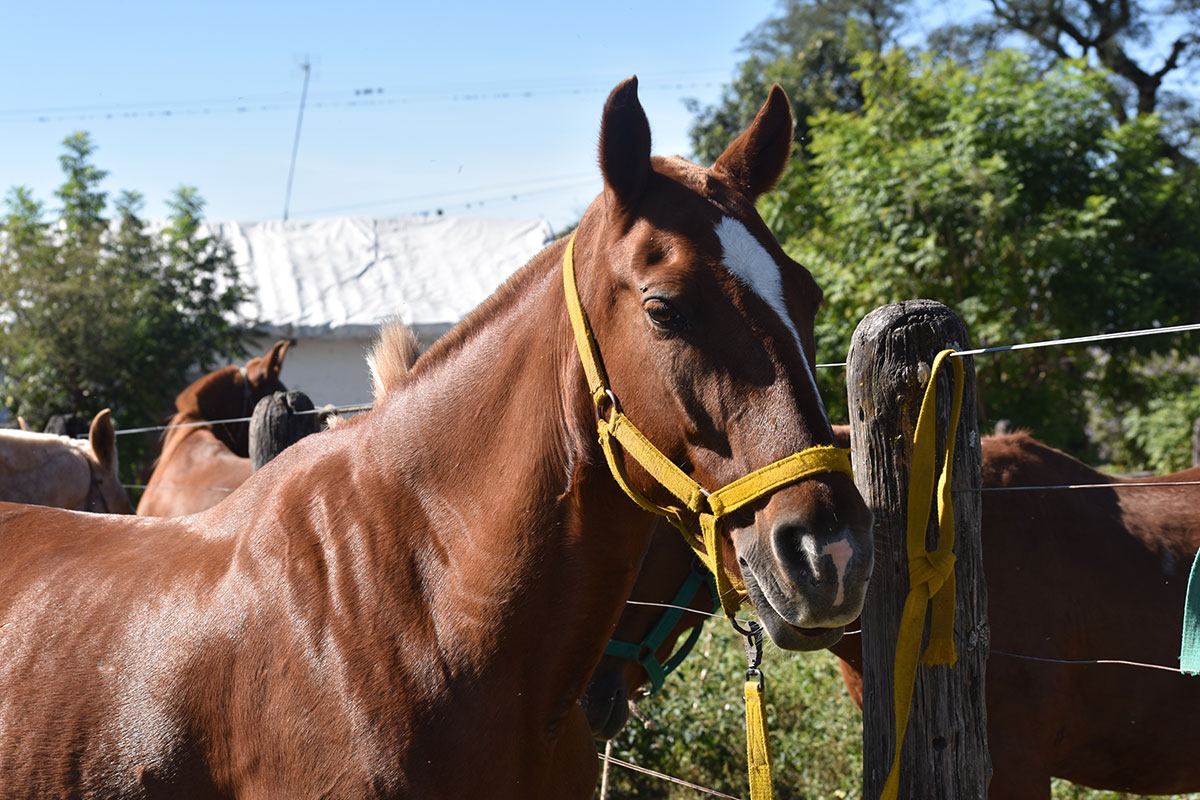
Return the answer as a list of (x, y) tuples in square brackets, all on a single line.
[(276, 424), (945, 754)]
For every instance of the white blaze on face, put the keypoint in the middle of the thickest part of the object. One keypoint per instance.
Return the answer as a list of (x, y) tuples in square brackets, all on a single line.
[(746, 258)]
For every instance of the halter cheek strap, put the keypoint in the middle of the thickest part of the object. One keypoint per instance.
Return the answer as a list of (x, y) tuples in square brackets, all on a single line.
[(618, 435)]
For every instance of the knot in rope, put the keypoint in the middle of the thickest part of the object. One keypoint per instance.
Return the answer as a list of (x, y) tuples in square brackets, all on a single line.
[(931, 570)]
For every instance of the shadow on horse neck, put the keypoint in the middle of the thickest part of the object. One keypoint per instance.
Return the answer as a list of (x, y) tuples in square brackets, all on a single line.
[(430, 584)]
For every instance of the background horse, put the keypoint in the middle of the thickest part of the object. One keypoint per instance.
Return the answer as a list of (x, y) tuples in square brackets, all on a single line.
[(1072, 575), (200, 465), (367, 613), (49, 470)]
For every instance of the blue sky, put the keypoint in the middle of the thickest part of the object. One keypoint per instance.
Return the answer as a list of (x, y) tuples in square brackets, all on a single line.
[(479, 101)]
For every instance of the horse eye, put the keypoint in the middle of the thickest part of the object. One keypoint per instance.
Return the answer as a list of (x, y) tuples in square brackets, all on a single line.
[(663, 314)]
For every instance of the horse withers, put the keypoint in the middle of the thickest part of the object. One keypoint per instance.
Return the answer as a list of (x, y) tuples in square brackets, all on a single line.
[(50, 470), (201, 464), (430, 585)]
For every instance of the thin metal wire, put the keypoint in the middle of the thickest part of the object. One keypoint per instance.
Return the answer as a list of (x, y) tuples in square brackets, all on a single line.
[(1176, 670), (1148, 485), (323, 410), (1099, 337), (652, 773), (1090, 661), (685, 609), (178, 488)]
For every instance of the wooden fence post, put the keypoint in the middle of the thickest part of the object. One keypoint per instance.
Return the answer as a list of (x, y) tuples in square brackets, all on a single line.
[(275, 425), (945, 754)]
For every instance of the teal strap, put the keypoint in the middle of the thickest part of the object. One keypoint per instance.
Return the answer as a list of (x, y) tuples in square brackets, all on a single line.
[(1189, 649), (646, 653)]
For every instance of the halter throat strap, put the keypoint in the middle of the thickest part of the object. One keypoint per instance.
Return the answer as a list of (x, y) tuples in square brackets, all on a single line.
[(620, 437)]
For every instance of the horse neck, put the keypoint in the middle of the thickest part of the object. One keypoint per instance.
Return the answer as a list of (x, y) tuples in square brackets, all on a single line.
[(218, 395), (538, 537)]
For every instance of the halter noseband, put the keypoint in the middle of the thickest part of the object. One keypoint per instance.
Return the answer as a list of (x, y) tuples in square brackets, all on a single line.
[(618, 434)]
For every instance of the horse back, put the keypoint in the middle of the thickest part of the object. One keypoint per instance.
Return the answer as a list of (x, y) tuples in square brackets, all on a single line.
[(43, 469), (195, 472)]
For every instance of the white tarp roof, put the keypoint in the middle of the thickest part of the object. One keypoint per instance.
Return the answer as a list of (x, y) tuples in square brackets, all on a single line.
[(341, 277)]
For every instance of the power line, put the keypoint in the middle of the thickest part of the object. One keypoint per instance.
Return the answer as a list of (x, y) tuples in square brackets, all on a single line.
[(498, 192), (375, 98)]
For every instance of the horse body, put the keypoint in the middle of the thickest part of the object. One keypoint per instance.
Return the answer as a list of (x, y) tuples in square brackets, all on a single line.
[(201, 464), (1078, 575), (390, 605), (49, 470)]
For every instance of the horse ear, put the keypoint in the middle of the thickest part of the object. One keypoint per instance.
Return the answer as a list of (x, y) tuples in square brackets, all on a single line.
[(275, 357), (103, 439), (260, 370), (756, 159), (625, 147)]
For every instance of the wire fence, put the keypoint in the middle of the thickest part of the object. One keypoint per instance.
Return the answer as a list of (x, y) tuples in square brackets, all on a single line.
[(1120, 485)]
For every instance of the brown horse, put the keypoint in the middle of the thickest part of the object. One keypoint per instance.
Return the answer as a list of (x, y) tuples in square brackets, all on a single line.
[(49, 470), (409, 604), (201, 464), (1073, 575)]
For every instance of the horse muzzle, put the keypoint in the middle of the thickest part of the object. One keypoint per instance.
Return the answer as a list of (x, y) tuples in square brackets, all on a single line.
[(808, 577)]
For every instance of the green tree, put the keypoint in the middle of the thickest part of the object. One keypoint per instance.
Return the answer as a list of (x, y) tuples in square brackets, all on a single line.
[(102, 312), (810, 50), (1012, 196)]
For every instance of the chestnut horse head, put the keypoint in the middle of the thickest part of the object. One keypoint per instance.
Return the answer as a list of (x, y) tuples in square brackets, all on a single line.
[(51, 470), (705, 329), (201, 464)]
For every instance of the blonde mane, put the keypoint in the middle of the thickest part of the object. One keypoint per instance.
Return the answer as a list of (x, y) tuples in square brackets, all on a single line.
[(391, 357)]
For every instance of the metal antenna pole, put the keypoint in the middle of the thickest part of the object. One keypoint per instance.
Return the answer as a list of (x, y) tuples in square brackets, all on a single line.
[(296, 144)]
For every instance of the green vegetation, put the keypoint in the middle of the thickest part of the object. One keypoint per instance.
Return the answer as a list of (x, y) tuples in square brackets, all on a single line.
[(695, 730), (99, 311), (1036, 194), (1010, 195)]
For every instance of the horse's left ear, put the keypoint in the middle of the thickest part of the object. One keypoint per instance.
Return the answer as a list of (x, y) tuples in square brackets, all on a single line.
[(756, 159), (103, 439), (625, 148), (275, 357), (260, 370)]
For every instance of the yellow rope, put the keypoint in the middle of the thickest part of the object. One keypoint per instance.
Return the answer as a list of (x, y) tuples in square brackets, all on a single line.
[(758, 749), (931, 574)]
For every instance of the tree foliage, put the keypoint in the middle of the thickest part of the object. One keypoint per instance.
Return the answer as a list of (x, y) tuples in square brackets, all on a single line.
[(1012, 196), (810, 50), (99, 311)]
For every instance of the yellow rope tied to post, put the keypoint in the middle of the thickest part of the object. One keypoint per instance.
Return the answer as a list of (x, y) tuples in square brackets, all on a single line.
[(618, 434), (931, 574)]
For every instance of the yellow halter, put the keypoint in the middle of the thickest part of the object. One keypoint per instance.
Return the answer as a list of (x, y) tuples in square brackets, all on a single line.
[(616, 429)]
